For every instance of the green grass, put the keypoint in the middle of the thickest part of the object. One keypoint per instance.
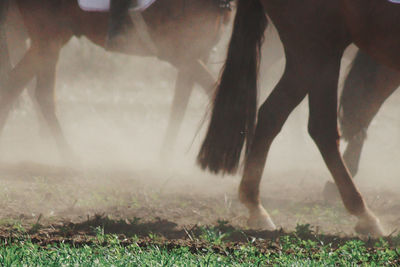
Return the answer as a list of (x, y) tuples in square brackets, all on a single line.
[(208, 249)]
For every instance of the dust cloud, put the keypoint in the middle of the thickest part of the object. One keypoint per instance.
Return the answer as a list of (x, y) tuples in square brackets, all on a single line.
[(114, 111)]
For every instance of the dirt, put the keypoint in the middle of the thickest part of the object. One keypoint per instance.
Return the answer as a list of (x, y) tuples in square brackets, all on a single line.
[(61, 202)]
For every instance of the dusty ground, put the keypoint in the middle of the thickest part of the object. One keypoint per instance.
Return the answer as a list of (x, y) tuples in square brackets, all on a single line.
[(114, 112), (55, 197)]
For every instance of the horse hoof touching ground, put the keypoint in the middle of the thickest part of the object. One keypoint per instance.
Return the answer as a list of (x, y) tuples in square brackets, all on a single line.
[(368, 224), (258, 216), (315, 35), (260, 219)]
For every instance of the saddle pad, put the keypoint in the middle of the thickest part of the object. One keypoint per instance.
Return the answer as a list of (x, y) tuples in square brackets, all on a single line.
[(104, 5), (95, 5)]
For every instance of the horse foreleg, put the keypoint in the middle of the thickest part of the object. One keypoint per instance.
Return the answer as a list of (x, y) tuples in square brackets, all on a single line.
[(271, 117), (183, 89), (323, 129)]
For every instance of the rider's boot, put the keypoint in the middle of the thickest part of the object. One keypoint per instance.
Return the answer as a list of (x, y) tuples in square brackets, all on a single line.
[(118, 16)]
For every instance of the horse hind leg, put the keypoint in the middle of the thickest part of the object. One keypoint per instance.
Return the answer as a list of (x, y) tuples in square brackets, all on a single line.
[(271, 117), (45, 98), (324, 131), (13, 84), (5, 62), (205, 78), (188, 75), (183, 89)]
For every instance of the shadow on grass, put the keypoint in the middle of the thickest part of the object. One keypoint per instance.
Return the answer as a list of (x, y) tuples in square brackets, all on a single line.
[(167, 230)]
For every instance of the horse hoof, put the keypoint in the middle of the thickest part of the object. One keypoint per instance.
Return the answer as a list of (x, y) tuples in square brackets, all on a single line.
[(369, 225), (331, 193), (260, 220)]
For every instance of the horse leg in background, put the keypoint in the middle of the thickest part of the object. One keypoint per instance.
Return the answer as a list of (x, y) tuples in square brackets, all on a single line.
[(271, 117), (45, 97), (366, 88), (188, 75), (14, 83), (183, 89), (205, 78), (323, 129), (5, 62)]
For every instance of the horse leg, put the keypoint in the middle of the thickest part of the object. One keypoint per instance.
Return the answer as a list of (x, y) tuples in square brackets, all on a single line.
[(366, 88), (271, 117), (45, 97), (188, 75), (14, 83), (386, 82), (5, 62), (204, 78), (183, 89), (324, 131)]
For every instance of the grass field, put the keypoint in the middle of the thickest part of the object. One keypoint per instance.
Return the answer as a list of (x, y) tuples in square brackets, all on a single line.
[(204, 246)]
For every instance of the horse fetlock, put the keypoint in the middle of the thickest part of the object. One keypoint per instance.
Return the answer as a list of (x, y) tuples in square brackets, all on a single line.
[(248, 197), (369, 224), (259, 219)]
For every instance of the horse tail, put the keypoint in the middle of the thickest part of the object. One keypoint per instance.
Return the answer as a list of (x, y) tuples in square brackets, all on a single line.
[(235, 103), (357, 87)]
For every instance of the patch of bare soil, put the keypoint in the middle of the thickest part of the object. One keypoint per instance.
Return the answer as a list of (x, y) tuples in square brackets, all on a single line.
[(58, 203)]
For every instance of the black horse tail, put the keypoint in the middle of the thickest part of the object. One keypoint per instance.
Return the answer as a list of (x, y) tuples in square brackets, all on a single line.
[(5, 63), (356, 91), (235, 104)]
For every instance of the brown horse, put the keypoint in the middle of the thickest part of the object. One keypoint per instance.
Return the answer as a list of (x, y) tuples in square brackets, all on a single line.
[(183, 33), (314, 35)]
